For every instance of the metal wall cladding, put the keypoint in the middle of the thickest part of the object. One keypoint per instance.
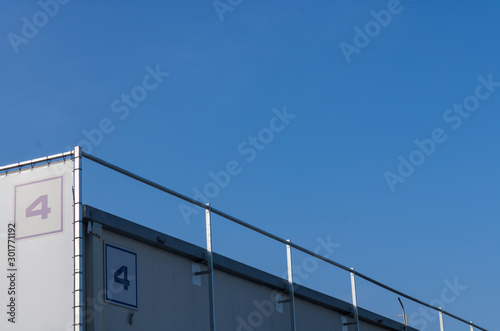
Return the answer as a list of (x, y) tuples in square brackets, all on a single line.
[(170, 297)]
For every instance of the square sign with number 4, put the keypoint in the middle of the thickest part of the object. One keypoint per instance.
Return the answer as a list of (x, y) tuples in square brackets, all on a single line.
[(38, 207), (120, 279)]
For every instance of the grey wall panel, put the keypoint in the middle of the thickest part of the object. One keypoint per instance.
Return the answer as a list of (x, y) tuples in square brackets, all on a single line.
[(169, 300), (310, 316), (243, 305)]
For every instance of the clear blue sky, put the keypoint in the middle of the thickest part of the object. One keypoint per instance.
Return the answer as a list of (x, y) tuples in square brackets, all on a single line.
[(356, 103)]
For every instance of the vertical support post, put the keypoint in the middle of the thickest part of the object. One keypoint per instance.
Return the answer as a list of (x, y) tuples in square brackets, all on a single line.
[(78, 243), (210, 265), (441, 324), (471, 327), (354, 300), (291, 291)]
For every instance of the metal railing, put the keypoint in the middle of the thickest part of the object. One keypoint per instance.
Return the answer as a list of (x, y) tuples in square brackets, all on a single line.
[(32, 163), (209, 209)]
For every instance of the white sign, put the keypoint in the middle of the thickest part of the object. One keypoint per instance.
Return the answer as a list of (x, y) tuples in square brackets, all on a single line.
[(38, 207), (36, 248), (120, 276)]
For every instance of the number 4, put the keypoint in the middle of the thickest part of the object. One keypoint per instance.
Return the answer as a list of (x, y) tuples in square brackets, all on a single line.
[(44, 211), (124, 281)]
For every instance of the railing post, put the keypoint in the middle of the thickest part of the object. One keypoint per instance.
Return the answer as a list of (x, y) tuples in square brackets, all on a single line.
[(441, 324), (354, 300), (78, 242), (290, 285), (471, 327), (210, 265)]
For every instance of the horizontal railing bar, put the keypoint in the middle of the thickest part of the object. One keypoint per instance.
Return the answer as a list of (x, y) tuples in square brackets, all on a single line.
[(34, 161), (269, 235), (143, 180)]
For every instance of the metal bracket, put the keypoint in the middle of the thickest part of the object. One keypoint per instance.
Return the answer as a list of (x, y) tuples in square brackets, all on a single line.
[(90, 230), (201, 260), (131, 317), (204, 272), (278, 297), (196, 280), (345, 324)]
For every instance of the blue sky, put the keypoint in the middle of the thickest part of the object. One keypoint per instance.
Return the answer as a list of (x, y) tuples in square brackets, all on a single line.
[(95, 74)]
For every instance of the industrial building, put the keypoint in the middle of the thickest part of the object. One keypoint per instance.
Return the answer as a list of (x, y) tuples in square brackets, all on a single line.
[(76, 267)]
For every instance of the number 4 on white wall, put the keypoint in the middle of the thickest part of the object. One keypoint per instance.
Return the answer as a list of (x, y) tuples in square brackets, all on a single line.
[(43, 211), (38, 207)]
